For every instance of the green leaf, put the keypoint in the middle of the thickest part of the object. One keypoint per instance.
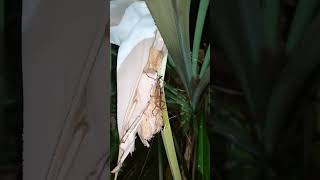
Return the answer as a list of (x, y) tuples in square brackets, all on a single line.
[(169, 147), (271, 21), (235, 132), (180, 102), (172, 20), (206, 63), (203, 150), (241, 155), (183, 12), (303, 61), (238, 32), (114, 144), (304, 15), (197, 35), (180, 155), (203, 84)]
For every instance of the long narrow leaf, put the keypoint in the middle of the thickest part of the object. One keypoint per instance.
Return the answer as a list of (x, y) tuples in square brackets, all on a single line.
[(198, 33), (206, 63), (204, 82), (271, 18), (304, 14), (203, 151), (169, 147), (291, 82), (238, 136), (171, 18), (183, 12), (166, 133), (237, 31)]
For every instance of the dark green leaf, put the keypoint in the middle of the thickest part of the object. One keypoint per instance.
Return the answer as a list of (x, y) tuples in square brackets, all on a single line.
[(237, 30), (203, 151), (271, 21), (303, 61), (304, 15)]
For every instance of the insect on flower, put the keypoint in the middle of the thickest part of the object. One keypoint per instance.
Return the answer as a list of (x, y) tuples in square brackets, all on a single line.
[(157, 94)]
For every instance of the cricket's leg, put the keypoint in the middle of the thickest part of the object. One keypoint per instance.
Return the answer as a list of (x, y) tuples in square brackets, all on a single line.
[(152, 93), (154, 110), (163, 106), (150, 76), (160, 111)]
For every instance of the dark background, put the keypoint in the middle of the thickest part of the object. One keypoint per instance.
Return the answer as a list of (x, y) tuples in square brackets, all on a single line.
[(11, 121)]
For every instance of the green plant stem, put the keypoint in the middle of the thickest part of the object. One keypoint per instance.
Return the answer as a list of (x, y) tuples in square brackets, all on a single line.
[(198, 33), (205, 64), (169, 146), (203, 150), (166, 133)]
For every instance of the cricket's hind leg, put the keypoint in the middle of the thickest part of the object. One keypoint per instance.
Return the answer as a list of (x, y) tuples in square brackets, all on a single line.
[(147, 74)]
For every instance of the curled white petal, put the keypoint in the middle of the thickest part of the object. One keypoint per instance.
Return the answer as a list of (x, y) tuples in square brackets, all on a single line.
[(136, 25), (140, 43)]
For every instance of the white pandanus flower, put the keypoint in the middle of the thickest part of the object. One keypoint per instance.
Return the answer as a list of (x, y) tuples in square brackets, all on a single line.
[(140, 64)]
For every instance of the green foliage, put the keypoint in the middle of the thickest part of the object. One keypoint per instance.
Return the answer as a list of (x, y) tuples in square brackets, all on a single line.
[(291, 81), (169, 147), (172, 20), (271, 23), (304, 15), (203, 151), (198, 33), (179, 104), (276, 75), (205, 65)]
